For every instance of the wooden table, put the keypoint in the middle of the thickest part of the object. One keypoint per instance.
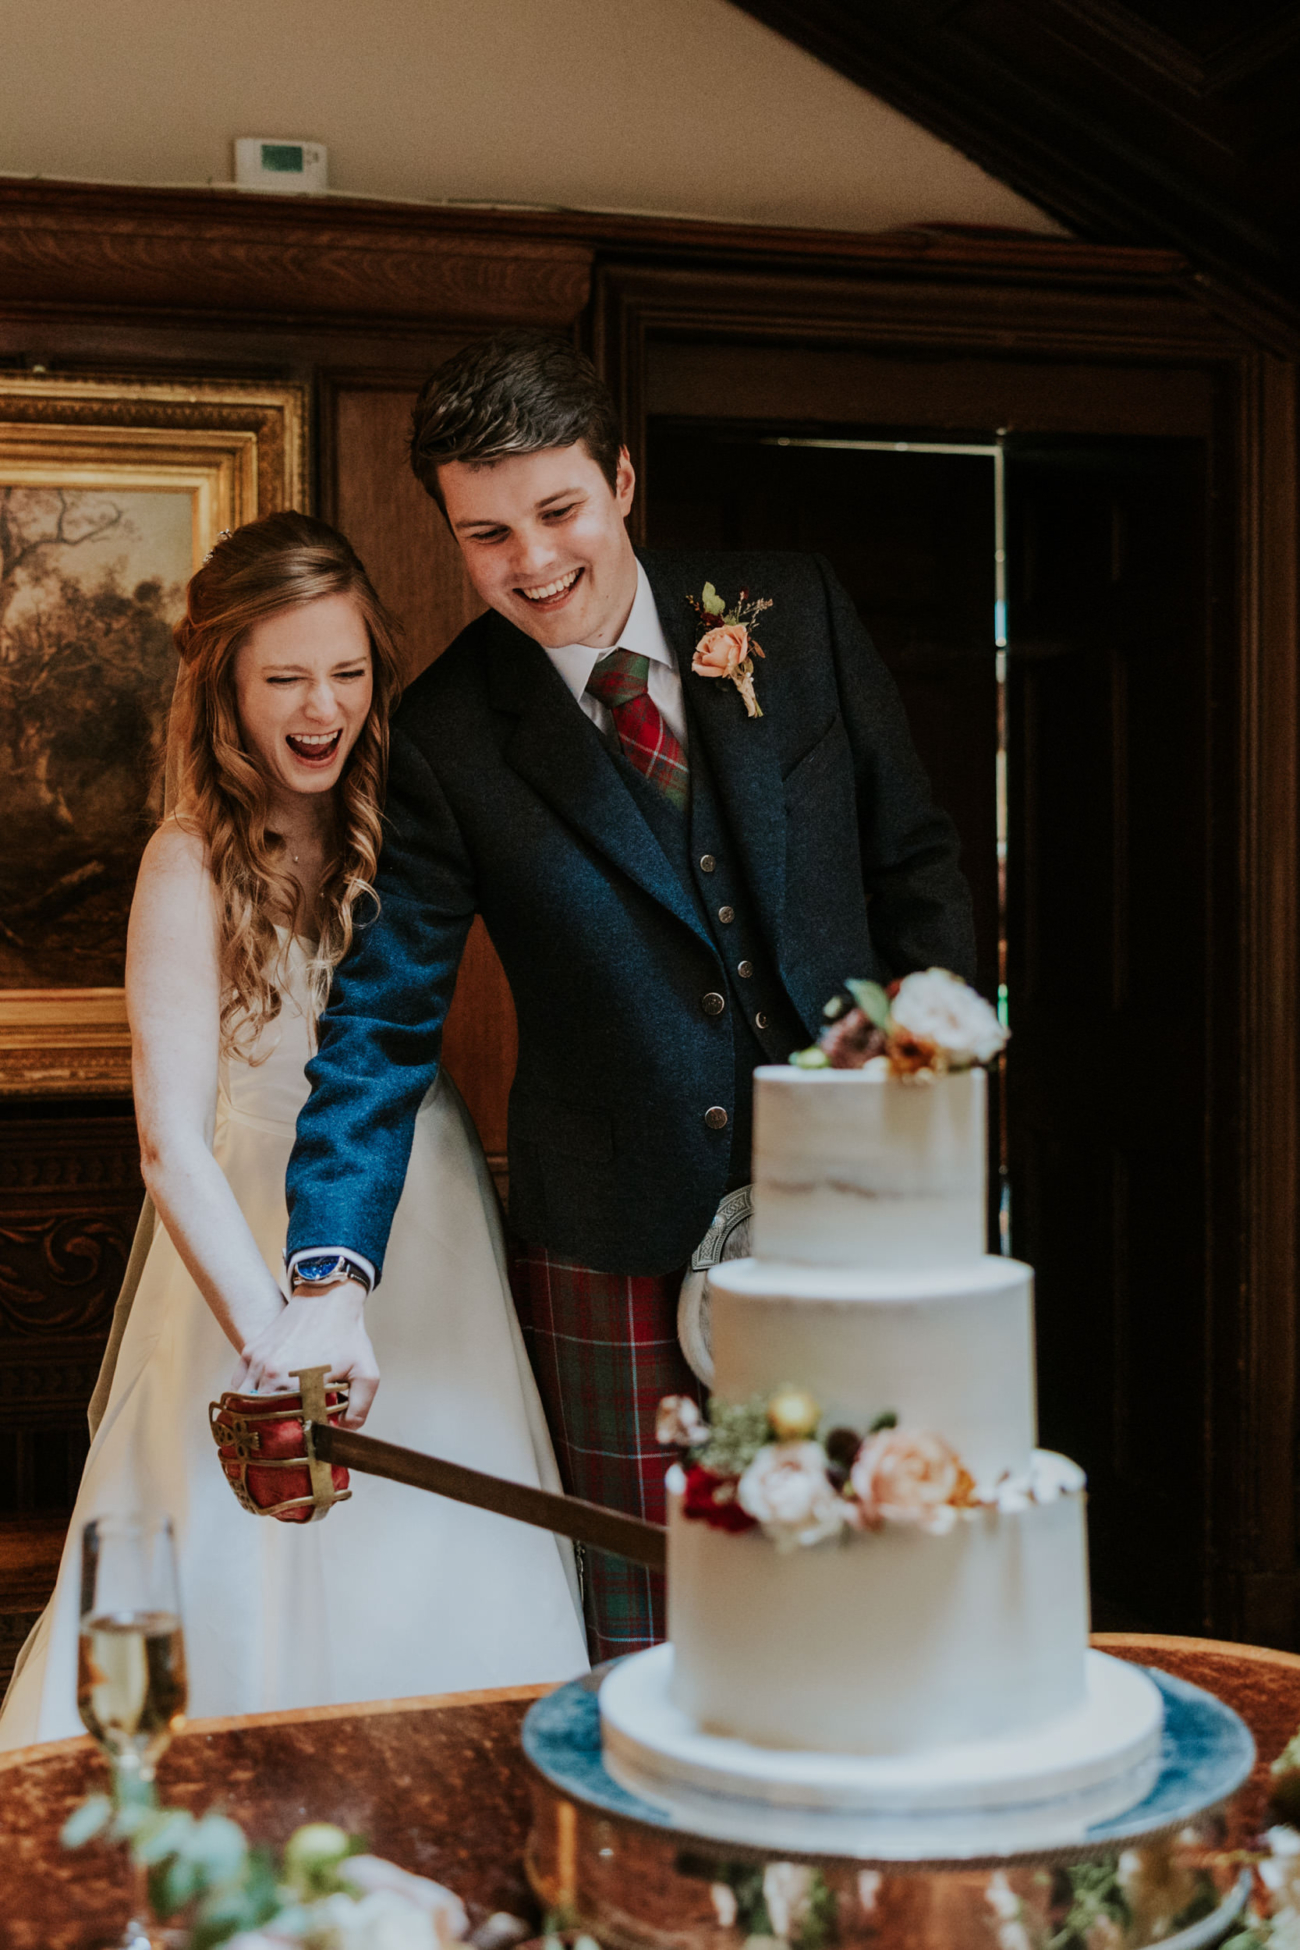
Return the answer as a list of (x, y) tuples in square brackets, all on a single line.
[(437, 1785)]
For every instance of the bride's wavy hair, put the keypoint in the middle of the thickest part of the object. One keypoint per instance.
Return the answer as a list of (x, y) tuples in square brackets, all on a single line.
[(219, 792)]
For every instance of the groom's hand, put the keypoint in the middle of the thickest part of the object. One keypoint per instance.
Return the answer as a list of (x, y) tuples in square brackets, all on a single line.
[(310, 1331)]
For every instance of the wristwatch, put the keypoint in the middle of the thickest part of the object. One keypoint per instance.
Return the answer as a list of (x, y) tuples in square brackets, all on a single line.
[(325, 1270)]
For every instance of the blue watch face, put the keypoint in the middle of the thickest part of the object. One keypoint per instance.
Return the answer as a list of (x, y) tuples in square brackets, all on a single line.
[(322, 1268)]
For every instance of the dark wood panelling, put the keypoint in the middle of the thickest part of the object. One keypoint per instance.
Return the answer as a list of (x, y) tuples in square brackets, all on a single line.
[(70, 1193), (952, 393), (396, 527), (1134, 123), (723, 321), (220, 251), (408, 548), (1151, 349)]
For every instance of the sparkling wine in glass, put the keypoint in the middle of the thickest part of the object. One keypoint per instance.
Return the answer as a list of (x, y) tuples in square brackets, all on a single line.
[(131, 1688)]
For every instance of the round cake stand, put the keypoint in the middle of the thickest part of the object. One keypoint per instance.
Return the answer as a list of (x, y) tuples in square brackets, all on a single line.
[(641, 1878)]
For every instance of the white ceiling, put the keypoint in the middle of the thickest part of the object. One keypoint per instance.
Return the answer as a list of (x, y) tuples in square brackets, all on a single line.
[(683, 107)]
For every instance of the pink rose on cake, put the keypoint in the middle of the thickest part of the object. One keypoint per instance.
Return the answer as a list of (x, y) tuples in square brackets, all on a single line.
[(909, 1476), (786, 1489)]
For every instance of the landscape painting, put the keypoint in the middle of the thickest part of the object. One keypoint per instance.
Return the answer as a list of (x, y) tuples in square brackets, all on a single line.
[(91, 583), (113, 487)]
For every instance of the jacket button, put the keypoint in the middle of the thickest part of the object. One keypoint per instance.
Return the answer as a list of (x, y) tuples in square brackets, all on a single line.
[(760, 1020), (716, 1118), (707, 863), (745, 969), (713, 1004), (726, 915)]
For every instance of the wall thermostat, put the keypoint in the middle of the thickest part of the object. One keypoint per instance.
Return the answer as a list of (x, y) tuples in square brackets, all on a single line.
[(264, 162)]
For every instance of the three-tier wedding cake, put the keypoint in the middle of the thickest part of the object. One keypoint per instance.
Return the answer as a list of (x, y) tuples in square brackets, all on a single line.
[(878, 1596)]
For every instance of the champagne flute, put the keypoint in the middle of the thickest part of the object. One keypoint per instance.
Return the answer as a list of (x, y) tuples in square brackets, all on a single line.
[(131, 1689)]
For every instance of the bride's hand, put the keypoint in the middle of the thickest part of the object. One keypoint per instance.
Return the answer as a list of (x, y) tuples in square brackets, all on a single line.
[(325, 1329)]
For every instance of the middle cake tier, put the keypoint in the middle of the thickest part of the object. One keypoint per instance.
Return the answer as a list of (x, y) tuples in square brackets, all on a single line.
[(946, 1350)]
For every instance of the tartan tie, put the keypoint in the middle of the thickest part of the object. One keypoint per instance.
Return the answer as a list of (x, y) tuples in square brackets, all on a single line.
[(619, 681)]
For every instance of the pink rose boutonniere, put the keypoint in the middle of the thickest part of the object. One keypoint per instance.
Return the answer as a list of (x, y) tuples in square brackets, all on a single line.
[(725, 646)]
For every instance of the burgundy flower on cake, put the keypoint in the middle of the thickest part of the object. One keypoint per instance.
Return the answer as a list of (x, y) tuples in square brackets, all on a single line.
[(909, 1476), (712, 1499)]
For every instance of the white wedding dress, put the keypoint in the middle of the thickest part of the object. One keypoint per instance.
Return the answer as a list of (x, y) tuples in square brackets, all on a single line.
[(397, 1592)]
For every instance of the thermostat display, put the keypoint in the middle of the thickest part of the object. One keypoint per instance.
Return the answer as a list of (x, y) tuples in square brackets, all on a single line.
[(274, 163)]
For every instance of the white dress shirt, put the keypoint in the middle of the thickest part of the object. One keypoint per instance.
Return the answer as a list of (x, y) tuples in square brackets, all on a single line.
[(643, 635)]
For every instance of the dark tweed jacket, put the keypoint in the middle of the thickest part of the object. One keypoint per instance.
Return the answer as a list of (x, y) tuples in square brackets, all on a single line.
[(504, 799)]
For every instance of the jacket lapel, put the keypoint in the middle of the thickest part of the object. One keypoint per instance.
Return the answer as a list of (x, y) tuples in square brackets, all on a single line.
[(741, 751), (555, 746)]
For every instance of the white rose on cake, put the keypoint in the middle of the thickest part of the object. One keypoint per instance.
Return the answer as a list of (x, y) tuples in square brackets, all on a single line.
[(940, 1008), (787, 1491)]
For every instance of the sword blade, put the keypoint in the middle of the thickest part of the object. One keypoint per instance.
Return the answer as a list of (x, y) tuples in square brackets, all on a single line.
[(586, 1523)]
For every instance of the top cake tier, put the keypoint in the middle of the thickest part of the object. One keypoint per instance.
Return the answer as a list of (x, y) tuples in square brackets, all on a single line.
[(851, 1170)]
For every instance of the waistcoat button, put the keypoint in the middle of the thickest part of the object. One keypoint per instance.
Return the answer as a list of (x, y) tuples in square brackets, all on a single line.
[(760, 1020), (726, 914), (716, 1118), (713, 1004), (707, 863), (745, 968)]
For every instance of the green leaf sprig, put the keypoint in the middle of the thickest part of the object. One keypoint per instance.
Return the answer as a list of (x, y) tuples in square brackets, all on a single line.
[(204, 1866)]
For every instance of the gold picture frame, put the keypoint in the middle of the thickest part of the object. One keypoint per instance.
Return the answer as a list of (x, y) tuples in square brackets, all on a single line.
[(112, 491)]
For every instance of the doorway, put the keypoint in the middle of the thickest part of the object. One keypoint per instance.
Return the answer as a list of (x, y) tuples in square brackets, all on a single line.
[(1073, 759)]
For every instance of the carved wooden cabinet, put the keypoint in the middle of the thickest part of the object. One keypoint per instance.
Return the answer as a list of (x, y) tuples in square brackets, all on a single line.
[(70, 1193)]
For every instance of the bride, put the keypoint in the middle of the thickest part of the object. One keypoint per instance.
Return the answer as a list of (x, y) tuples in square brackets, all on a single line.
[(248, 896)]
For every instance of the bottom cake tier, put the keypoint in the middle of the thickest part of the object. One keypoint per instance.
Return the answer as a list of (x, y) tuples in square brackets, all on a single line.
[(1038, 1790), (892, 1642)]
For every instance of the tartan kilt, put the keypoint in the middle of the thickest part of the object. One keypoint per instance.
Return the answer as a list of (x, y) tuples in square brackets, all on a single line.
[(604, 1350)]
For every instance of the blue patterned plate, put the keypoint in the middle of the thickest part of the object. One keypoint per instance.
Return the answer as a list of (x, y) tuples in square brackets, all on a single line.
[(1206, 1753)]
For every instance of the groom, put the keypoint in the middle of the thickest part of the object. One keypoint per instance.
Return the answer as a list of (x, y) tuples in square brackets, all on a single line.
[(674, 887)]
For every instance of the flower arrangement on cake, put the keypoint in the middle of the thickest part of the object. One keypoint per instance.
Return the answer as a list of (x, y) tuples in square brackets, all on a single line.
[(762, 1464), (919, 1028)]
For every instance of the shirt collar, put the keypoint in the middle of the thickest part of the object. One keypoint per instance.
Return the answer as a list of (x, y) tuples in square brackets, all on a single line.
[(642, 634)]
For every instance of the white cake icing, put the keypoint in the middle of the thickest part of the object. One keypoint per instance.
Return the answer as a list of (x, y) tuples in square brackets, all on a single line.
[(903, 1645), (950, 1351), (901, 1187), (897, 1643)]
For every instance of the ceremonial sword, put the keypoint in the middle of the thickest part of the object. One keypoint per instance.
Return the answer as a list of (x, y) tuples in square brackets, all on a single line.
[(586, 1523)]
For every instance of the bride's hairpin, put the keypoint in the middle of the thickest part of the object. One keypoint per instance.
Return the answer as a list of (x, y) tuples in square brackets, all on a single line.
[(224, 536)]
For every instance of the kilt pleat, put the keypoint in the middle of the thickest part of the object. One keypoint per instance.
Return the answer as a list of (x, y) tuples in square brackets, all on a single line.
[(604, 1350)]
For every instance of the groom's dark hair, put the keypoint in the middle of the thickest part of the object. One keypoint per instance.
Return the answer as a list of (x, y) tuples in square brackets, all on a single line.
[(513, 393)]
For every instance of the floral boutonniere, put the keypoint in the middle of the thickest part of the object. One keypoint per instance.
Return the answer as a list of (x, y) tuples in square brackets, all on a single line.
[(725, 646)]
